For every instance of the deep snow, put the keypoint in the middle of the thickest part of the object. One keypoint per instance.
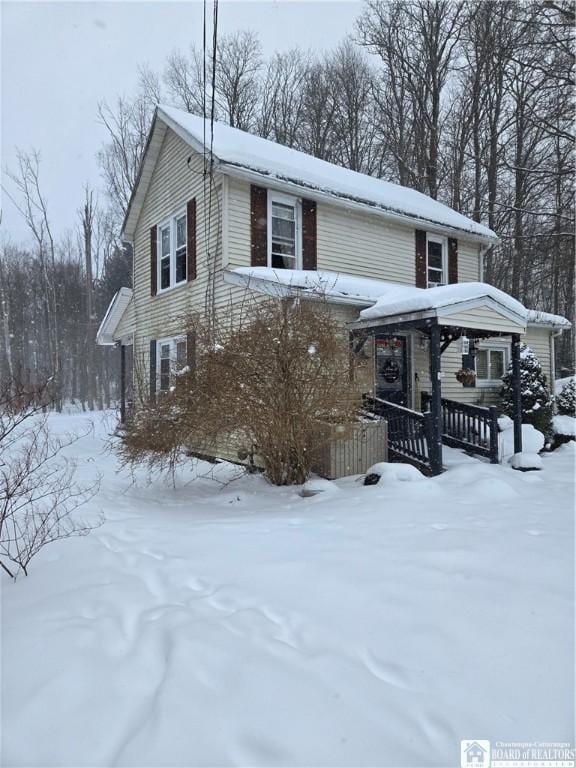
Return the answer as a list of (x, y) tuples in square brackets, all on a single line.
[(241, 624)]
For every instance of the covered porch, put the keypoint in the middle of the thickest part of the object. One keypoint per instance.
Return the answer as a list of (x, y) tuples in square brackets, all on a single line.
[(421, 418)]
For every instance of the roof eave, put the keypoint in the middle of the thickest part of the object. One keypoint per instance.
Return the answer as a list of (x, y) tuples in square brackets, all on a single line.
[(273, 182), (282, 290)]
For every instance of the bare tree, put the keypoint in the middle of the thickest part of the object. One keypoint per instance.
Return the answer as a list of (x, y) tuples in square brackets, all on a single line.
[(127, 124), (87, 215), (38, 490), (32, 204), (238, 65)]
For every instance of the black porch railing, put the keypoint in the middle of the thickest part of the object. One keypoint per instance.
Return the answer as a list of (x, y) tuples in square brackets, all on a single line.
[(409, 434), (472, 428)]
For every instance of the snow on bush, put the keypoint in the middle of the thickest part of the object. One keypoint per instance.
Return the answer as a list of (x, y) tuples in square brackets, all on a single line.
[(536, 399), (525, 461), (318, 485), (564, 425), (404, 473), (532, 440), (566, 399)]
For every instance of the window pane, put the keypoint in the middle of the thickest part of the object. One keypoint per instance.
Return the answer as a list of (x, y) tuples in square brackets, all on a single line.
[(165, 273), (165, 351), (283, 262), (283, 229), (282, 211), (180, 355), (165, 241), (435, 260), (165, 369), (283, 236), (181, 265), (496, 364), (482, 364), (180, 231)]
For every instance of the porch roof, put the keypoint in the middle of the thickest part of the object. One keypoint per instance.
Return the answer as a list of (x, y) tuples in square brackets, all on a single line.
[(107, 332), (466, 305)]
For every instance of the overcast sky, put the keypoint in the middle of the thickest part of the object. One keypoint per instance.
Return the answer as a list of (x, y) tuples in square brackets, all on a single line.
[(60, 58)]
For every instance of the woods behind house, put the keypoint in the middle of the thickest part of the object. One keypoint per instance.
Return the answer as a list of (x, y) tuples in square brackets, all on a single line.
[(468, 102)]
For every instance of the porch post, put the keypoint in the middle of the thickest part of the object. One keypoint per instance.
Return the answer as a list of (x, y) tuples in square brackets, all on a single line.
[(122, 384), (517, 393), (435, 445)]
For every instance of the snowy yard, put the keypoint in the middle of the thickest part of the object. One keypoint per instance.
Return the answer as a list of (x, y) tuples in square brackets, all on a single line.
[(240, 624)]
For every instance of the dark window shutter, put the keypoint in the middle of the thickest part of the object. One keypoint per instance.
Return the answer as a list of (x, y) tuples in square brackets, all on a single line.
[(452, 260), (191, 238), (191, 350), (258, 226), (309, 234), (152, 369), (420, 243), (153, 261)]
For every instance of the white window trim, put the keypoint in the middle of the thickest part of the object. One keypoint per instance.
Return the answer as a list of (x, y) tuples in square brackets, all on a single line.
[(431, 238), (170, 222), (498, 347), (278, 197), (172, 341)]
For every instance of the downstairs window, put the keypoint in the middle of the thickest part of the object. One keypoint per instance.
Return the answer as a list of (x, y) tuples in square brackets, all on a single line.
[(491, 365), (172, 360)]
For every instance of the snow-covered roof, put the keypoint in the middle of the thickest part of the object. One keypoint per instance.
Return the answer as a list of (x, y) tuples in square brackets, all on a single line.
[(535, 317), (340, 288), (420, 299), (378, 298), (107, 331), (241, 153)]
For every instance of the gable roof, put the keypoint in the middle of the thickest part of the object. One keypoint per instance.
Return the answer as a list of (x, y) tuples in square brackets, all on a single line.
[(243, 154), (106, 334), (378, 299)]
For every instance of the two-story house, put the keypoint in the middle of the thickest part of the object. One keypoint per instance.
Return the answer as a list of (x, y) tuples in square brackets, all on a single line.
[(403, 271)]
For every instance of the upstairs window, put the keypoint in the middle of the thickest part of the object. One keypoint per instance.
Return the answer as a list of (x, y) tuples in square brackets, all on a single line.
[(491, 365), (172, 357), (436, 260), (172, 252), (284, 246)]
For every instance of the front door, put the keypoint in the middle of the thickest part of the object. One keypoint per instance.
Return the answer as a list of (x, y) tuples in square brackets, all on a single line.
[(392, 369)]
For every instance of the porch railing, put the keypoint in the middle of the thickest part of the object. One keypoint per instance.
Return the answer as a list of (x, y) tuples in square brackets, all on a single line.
[(409, 433), (472, 428)]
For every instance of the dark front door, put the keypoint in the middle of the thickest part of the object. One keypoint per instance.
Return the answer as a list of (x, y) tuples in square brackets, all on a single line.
[(392, 369)]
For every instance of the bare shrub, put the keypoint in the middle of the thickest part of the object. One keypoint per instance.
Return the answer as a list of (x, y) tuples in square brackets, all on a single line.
[(265, 380), (38, 490)]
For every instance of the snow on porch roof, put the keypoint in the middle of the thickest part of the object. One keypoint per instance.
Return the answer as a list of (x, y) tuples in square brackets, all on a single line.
[(240, 150), (107, 330), (379, 298)]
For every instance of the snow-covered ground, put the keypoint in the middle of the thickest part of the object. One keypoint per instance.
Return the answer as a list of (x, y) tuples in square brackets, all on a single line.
[(239, 624)]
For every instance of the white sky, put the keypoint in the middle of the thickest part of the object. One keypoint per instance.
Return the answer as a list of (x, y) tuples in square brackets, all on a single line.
[(58, 59)]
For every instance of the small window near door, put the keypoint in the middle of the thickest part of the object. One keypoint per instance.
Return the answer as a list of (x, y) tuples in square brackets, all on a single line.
[(490, 366), (436, 261), (284, 233)]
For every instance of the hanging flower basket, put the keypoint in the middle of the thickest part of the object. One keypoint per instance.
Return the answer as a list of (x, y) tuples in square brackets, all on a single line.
[(466, 376)]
